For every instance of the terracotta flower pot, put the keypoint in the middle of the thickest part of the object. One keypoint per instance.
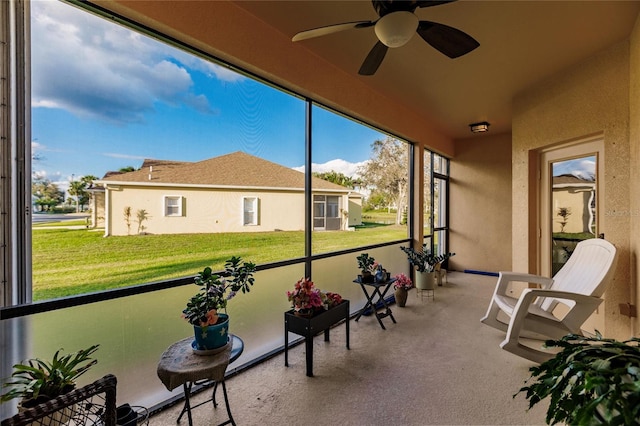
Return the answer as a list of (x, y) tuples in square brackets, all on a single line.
[(401, 297)]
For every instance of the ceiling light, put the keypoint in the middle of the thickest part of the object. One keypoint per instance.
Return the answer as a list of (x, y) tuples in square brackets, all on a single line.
[(397, 28), (479, 127)]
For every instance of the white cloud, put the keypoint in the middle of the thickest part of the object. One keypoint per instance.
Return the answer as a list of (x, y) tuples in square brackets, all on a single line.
[(125, 156), (584, 168), (207, 67), (39, 174), (117, 75), (336, 165)]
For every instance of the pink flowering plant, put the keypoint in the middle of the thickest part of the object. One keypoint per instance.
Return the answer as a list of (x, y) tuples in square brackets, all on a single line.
[(305, 297), (403, 282), (332, 299), (216, 290)]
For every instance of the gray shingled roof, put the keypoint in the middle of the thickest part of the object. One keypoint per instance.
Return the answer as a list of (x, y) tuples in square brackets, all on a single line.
[(570, 179), (237, 169)]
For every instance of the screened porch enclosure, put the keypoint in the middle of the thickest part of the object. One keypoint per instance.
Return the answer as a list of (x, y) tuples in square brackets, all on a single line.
[(76, 286)]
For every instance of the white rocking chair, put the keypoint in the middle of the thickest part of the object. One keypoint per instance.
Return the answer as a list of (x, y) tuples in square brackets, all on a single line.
[(578, 285)]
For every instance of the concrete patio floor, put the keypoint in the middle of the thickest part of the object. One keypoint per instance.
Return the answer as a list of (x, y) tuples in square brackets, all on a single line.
[(437, 366)]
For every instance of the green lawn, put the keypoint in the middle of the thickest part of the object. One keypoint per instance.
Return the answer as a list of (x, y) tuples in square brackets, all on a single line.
[(66, 223), (75, 261)]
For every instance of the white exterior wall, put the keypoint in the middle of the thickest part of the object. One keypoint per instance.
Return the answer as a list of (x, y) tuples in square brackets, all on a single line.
[(203, 211), (355, 211), (578, 200)]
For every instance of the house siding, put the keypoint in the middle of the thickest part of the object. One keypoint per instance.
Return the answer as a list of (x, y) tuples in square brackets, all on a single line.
[(204, 211)]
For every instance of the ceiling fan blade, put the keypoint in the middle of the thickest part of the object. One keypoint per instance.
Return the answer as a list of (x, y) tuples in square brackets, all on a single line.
[(448, 40), (330, 29), (373, 59), (429, 3), (384, 7)]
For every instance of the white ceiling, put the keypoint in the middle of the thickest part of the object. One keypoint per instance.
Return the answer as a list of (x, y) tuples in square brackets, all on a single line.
[(521, 43)]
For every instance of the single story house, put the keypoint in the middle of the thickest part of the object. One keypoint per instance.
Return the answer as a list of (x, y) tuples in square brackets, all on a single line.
[(235, 192), (578, 195)]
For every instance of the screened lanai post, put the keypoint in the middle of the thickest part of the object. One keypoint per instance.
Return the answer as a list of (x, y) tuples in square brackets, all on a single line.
[(15, 238), (416, 199), (308, 194)]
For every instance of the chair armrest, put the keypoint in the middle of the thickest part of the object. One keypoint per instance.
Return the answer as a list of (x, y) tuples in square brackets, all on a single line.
[(585, 305), (559, 294), (505, 277)]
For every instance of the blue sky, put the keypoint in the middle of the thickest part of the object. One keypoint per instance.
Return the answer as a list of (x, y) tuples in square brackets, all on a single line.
[(104, 97)]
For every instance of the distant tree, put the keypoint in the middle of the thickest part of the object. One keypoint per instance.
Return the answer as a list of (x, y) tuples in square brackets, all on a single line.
[(375, 201), (85, 196), (338, 178), (88, 180), (387, 173), (46, 194), (78, 189), (127, 169)]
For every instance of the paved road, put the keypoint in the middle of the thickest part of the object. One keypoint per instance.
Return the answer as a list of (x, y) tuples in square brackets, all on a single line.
[(44, 217)]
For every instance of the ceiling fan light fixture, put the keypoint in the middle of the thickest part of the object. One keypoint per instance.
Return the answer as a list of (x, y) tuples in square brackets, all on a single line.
[(397, 28), (481, 127)]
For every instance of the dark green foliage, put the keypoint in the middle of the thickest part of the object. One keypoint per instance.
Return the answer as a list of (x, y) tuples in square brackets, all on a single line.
[(339, 179), (237, 276), (592, 380), (365, 262), (423, 260), (40, 381)]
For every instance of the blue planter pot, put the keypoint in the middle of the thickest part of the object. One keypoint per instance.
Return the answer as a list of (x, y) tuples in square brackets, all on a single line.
[(212, 336)]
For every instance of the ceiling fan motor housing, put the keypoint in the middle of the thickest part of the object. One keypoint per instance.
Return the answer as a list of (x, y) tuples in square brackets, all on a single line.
[(397, 28)]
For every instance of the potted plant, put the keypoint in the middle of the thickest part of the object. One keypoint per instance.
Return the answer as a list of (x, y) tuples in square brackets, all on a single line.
[(402, 286), (367, 266), (592, 380), (36, 381), (425, 264), (202, 311), (306, 299)]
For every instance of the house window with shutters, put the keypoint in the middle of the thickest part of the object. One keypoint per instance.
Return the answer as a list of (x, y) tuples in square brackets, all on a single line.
[(250, 211), (172, 205)]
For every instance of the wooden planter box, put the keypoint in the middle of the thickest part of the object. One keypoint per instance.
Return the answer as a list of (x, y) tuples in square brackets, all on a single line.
[(308, 327)]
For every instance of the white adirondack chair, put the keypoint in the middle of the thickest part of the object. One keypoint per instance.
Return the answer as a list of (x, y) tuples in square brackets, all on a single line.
[(536, 314)]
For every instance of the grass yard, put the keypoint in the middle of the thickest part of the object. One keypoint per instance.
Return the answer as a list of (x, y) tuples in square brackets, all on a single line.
[(75, 261)]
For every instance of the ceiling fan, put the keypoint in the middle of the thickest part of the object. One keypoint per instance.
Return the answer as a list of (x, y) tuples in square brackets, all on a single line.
[(394, 28)]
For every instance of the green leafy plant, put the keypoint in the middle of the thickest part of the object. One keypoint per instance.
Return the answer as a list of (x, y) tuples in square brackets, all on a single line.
[(217, 290), (592, 380), (423, 260), (366, 263), (37, 381)]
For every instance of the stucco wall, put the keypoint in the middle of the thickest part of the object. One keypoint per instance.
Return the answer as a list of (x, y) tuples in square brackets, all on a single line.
[(480, 216), (577, 200), (590, 98), (205, 211), (97, 209)]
